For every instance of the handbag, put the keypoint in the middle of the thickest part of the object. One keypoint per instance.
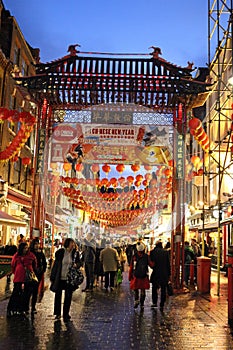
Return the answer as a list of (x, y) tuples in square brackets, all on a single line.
[(30, 276), (170, 289), (74, 276)]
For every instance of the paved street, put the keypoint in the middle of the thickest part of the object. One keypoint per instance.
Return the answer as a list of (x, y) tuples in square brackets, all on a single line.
[(108, 321)]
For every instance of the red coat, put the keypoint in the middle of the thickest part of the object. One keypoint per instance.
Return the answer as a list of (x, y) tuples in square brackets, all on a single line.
[(19, 263), (137, 283)]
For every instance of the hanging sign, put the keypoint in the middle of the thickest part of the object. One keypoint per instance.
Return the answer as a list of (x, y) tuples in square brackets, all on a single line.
[(180, 157), (41, 149)]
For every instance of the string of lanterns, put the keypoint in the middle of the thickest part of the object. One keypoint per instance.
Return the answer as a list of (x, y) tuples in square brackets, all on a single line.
[(119, 201), (27, 122), (199, 133)]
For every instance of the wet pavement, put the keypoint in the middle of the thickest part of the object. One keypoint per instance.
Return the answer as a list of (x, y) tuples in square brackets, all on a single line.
[(103, 320)]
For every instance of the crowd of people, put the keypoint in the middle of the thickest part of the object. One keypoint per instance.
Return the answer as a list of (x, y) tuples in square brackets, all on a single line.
[(103, 265)]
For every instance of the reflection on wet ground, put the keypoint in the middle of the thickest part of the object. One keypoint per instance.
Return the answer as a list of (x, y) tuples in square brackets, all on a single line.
[(108, 321)]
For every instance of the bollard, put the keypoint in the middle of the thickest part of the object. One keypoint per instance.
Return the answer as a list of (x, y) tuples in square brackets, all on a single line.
[(230, 285), (203, 274)]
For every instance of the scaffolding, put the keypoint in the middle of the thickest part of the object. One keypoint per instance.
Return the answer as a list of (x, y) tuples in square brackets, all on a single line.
[(219, 110)]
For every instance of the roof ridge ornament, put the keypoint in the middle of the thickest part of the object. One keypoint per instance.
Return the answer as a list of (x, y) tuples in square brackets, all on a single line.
[(72, 49), (157, 51)]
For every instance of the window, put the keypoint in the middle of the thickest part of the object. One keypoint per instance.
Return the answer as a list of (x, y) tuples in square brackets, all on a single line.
[(24, 68), (16, 171), (16, 55)]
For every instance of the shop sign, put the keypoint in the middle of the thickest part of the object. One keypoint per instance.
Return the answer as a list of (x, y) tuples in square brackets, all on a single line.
[(180, 157), (41, 149), (112, 117)]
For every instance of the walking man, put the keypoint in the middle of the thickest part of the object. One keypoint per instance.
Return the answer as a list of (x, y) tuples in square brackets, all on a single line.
[(89, 253), (111, 261), (160, 262)]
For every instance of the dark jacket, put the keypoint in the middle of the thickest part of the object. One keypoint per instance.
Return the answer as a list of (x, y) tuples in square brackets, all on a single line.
[(89, 252), (160, 263), (41, 263), (55, 275)]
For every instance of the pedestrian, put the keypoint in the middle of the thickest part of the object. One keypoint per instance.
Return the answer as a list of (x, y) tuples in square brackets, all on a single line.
[(40, 270), (122, 256), (197, 252), (10, 249), (188, 259), (160, 263), (89, 252), (98, 269), (206, 248), (64, 258), (21, 239), (22, 291), (129, 253), (138, 275), (111, 262)]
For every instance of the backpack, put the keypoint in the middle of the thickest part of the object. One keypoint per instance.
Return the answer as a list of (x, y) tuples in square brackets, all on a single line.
[(141, 266)]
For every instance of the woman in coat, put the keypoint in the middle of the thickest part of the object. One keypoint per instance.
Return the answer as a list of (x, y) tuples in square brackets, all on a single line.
[(138, 275), (40, 270), (19, 300), (64, 258)]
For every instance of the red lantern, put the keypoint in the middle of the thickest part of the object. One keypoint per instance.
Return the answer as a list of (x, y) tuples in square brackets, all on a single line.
[(147, 167), (194, 123), (130, 179), (135, 167), (113, 181), (120, 168), (67, 166), (139, 177), (168, 172), (79, 167), (26, 161), (195, 160), (106, 168), (95, 168), (104, 182)]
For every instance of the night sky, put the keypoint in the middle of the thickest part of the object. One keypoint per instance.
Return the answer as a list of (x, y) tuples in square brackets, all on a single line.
[(178, 27)]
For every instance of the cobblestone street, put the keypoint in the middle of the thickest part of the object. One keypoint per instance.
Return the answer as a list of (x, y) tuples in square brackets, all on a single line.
[(103, 320)]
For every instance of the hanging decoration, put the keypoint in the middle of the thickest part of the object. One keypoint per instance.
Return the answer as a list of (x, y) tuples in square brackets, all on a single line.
[(27, 123), (119, 201), (95, 168), (26, 161), (199, 133), (67, 166), (120, 168), (106, 168)]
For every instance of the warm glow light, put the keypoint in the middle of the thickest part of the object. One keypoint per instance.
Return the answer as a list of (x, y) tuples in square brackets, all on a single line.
[(213, 197), (230, 80)]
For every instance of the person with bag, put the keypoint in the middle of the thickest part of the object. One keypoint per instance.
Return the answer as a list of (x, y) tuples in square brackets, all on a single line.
[(65, 258), (40, 270), (138, 275), (160, 262), (22, 261)]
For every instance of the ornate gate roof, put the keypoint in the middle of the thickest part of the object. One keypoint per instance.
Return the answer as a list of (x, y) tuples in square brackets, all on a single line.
[(76, 81)]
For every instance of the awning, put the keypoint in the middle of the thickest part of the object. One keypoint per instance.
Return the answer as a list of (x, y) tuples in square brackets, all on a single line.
[(6, 219)]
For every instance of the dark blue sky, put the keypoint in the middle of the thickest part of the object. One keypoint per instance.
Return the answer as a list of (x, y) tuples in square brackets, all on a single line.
[(178, 27)]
